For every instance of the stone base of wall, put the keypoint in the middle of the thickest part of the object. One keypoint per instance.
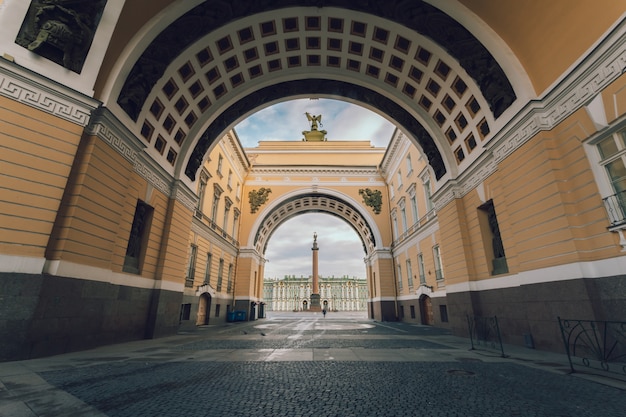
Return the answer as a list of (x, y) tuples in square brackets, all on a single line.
[(44, 315), (382, 310), (438, 317), (194, 321), (529, 312)]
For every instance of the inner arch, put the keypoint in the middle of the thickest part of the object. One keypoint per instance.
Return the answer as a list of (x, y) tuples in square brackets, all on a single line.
[(314, 203)]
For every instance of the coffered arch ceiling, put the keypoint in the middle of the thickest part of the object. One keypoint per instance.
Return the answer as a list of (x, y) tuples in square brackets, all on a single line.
[(407, 60)]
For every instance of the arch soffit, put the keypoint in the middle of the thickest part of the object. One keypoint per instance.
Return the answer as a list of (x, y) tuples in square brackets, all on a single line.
[(494, 90), (344, 207)]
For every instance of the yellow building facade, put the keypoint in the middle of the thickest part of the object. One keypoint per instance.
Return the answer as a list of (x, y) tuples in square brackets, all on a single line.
[(129, 209)]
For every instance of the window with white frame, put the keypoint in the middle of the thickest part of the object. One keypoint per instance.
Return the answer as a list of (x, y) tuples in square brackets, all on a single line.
[(227, 204), (229, 285), (235, 223), (399, 277), (409, 273), (612, 151), (420, 266), (427, 195), (191, 265), (230, 180), (404, 223), (414, 209), (217, 192), (220, 162), (409, 165), (220, 275), (438, 267), (204, 179), (207, 271), (394, 222), (399, 179)]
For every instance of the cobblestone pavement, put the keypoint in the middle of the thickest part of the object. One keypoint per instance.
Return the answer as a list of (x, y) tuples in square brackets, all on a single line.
[(295, 365)]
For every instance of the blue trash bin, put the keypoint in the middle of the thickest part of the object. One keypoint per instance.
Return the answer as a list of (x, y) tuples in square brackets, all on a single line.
[(240, 315), (230, 316)]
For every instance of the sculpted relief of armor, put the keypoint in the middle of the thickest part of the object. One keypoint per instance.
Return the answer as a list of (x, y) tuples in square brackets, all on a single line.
[(61, 30)]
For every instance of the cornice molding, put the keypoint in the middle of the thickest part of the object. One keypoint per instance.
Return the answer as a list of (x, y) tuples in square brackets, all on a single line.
[(393, 152), (27, 87), (603, 65), (108, 128), (319, 171)]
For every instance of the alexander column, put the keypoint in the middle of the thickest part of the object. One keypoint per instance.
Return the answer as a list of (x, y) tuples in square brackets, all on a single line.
[(315, 291)]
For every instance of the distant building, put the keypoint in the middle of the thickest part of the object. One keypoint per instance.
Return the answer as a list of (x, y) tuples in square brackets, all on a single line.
[(292, 293)]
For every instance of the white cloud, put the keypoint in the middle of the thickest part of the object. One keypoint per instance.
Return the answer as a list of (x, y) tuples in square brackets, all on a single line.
[(342, 121), (340, 249)]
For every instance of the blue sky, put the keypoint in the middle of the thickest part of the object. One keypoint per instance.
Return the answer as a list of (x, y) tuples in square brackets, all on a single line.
[(342, 121), (289, 248)]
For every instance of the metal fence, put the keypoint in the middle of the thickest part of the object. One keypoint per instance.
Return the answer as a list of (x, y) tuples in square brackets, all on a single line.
[(597, 347), (485, 333)]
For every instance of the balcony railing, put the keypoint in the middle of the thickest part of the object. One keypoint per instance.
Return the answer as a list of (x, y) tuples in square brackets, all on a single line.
[(223, 233), (416, 226), (616, 208)]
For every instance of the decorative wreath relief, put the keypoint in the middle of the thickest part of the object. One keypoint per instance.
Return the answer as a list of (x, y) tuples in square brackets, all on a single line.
[(258, 198), (372, 198)]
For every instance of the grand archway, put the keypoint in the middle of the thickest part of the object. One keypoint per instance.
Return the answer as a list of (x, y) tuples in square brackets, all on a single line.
[(106, 160)]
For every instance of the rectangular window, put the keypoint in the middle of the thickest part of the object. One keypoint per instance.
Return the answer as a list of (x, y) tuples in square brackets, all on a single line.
[(217, 310), (235, 223), (226, 215), (612, 151), (230, 179), (438, 267), (427, 196), (207, 271), (412, 312), (229, 285), (399, 277), (420, 266), (191, 266), (409, 165), (201, 192), (220, 162), (220, 275), (185, 312), (409, 273), (216, 202), (395, 227), (405, 226), (443, 313), (414, 209), (399, 179), (138, 239)]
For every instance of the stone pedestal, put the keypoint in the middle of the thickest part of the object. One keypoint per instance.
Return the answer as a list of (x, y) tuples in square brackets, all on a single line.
[(315, 303)]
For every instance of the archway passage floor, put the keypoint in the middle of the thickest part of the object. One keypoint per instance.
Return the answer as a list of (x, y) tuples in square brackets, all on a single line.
[(304, 365)]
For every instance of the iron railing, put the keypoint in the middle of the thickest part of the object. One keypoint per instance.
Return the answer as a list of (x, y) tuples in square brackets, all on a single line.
[(422, 221), (616, 208), (485, 333), (597, 347), (220, 232)]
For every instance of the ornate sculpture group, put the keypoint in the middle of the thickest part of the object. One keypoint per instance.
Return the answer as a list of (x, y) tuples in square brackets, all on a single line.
[(372, 198), (258, 198)]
